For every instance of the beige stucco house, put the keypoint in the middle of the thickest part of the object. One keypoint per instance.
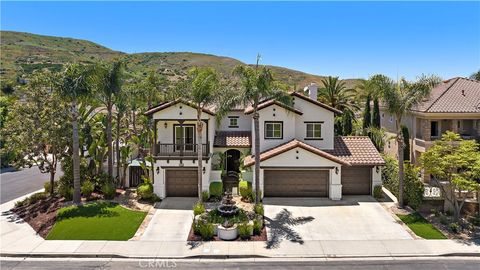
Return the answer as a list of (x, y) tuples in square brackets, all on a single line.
[(453, 105)]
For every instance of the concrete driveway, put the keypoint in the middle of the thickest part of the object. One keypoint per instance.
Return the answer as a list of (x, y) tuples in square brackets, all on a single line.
[(172, 221), (352, 218)]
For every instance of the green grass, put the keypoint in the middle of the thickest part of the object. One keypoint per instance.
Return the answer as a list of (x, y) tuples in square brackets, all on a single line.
[(421, 226), (96, 221)]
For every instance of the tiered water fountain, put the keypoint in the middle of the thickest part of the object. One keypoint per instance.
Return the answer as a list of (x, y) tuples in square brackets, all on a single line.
[(227, 207)]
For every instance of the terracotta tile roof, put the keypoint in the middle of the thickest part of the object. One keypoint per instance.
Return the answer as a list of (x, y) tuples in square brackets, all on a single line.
[(165, 105), (357, 150), (232, 139), (270, 102), (457, 95), (250, 160)]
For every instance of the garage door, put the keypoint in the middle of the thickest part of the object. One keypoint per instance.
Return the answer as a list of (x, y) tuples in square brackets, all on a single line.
[(181, 182), (296, 183), (356, 180)]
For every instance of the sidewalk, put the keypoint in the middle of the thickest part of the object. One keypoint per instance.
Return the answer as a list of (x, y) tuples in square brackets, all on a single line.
[(19, 239)]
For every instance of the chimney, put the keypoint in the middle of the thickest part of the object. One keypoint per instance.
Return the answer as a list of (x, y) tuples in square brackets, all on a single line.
[(313, 91)]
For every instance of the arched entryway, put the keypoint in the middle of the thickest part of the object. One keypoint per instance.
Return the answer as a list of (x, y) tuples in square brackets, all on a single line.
[(232, 168)]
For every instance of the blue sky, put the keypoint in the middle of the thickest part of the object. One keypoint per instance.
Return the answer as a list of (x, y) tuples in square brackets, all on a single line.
[(346, 39)]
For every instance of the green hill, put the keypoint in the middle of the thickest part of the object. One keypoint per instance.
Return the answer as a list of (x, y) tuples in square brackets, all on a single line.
[(22, 53)]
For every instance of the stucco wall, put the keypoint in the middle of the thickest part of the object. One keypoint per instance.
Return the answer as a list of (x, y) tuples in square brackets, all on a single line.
[(244, 122)]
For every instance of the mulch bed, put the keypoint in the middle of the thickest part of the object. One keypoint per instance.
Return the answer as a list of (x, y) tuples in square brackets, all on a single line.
[(261, 237), (41, 216)]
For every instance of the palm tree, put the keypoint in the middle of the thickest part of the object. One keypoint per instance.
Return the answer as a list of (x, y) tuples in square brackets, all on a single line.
[(256, 85), (399, 97), (108, 83), (202, 89), (73, 86), (121, 106)]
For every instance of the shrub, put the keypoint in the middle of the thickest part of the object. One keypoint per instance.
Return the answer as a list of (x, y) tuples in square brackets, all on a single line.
[(205, 196), (413, 186), (47, 186), (145, 191), (198, 208), (245, 189), (475, 220), (390, 174), (377, 192), (37, 197), (216, 189), (22, 202), (443, 220), (206, 230), (454, 227), (108, 191), (87, 188), (244, 230), (257, 226), (65, 191), (258, 208)]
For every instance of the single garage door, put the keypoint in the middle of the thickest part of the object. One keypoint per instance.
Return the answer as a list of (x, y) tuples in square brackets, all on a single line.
[(356, 180), (296, 183), (181, 182)]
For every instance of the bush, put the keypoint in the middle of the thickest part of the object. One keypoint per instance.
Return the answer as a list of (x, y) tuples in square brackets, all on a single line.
[(216, 189), (87, 188), (245, 189), (244, 230), (377, 192), (47, 186), (108, 191), (198, 208), (454, 227), (37, 197), (145, 191), (390, 174), (413, 187), (475, 220), (258, 208), (257, 226), (65, 191), (205, 196), (443, 220), (206, 230)]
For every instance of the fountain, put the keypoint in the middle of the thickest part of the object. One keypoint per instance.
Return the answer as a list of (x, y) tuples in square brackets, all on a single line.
[(227, 207)]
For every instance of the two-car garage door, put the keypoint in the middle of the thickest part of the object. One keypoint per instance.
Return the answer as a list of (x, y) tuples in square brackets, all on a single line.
[(296, 183)]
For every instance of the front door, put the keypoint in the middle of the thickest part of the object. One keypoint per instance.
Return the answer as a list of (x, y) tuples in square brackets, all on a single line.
[(185, 138)]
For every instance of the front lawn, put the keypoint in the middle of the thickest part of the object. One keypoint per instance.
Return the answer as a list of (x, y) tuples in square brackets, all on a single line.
[(96, 221), (421, 226)]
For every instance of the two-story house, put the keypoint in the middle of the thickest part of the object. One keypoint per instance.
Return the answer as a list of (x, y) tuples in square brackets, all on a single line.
[(299, 153), (453, 105)]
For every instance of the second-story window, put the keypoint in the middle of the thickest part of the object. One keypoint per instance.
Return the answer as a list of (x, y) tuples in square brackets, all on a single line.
[(233, 122), (314, 131), (273, 130)]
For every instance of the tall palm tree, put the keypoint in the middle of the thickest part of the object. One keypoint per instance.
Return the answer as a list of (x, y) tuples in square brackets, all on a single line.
[(256, 85), (73, 86), (121, 108), (108, 83), (399, 97), (336, 94), (202, 89)]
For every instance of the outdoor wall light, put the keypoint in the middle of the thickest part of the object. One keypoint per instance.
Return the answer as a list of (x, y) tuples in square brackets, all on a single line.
[(336, 170), (158, 170), (377, 169), (203, 170), (165, 125)]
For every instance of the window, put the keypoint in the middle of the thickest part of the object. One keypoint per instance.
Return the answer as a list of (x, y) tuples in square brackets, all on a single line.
[(232, 122), (434, 129), (184, 137), (314, 131), (273, 130)]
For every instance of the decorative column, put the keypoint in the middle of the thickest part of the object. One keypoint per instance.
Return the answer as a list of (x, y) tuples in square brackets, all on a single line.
[(426, 129)]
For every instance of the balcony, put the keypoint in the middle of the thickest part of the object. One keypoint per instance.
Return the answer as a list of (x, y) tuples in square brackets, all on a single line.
[(180, 151)]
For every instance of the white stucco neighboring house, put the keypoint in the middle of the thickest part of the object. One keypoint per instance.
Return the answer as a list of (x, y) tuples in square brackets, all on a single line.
[(299, 153)]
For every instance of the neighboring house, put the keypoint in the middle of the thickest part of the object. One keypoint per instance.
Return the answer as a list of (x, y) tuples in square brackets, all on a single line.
[(453, 105), (300, 156)]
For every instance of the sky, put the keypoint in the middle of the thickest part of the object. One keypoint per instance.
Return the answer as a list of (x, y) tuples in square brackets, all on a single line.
[(345, 39)]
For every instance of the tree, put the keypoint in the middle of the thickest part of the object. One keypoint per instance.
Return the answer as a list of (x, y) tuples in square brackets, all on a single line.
[(347, 120), (121, 106), (475, 76), (378, 136), (202, 89), (455, 165), (256, 84), (367, 117), (73, 86), (38, 130), (108, 83), (399, 97), (406, 139), (376, 113)]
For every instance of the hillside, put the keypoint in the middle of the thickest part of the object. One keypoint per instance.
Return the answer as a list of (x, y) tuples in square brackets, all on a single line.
[(22, 53)]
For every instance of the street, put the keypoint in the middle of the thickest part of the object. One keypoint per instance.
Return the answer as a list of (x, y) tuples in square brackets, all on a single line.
[(18, 183), (333, 264)]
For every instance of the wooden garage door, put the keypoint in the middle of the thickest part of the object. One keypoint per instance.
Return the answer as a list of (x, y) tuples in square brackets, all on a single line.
[(296, 183), (181, 182), (356, 180)]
